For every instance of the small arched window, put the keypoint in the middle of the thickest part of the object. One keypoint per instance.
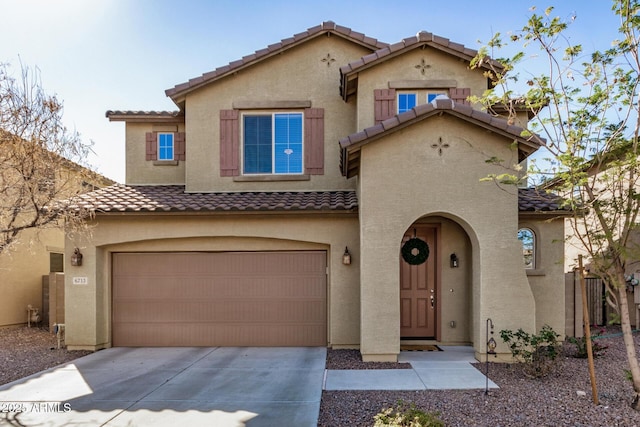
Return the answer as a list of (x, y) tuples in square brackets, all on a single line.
[(527, 238)]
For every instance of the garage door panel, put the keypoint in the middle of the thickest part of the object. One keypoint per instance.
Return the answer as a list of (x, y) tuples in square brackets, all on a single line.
[(217, 299), (176, 335), (165, 287), (220, 311)]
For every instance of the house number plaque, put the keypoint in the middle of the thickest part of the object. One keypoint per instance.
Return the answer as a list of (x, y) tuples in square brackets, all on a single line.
[(80, 280)]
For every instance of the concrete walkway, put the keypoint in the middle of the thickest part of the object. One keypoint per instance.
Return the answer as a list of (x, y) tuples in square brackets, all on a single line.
[(431, 370), (212, 386)]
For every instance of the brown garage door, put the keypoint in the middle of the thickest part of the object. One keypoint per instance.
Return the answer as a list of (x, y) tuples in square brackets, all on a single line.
[(219, 299)]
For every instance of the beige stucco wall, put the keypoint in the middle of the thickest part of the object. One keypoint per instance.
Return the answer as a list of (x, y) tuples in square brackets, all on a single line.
[(402, 178), (299, 74), (441, 67), (547, 279), (21, 271), (88, 307), (141, 171)]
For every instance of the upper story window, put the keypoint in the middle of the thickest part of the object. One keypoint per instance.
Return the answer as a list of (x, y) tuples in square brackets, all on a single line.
[(273, 143), (407, 100), (527, 238), (165, 146)]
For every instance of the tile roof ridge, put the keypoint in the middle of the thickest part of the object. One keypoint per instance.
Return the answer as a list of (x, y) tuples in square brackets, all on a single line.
[(172, 113), (421, 37), (440, 103), (326, 26)]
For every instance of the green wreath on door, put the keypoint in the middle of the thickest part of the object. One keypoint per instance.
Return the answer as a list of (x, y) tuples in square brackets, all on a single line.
[(415, 251)]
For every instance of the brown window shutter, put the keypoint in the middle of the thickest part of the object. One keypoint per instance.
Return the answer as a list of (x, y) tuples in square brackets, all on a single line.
[(229, 142), (460, 94), (384, 104), (180, 146), (314, 141), (152, 145)]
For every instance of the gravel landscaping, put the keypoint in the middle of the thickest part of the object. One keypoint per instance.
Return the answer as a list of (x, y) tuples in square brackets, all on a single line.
[(25, 351), (561, 399)]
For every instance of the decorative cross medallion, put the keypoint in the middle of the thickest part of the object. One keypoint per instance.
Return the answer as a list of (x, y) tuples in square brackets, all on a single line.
[(328, 60), (440, 146), (422, 66)]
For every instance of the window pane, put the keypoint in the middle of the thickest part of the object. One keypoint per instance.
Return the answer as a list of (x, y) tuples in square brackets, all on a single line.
[(288, 143), (527, 238), (257, 144), (406, 101), (165, 146), (433, 96)]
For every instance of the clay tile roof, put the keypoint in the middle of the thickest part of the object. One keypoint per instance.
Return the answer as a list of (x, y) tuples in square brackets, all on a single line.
[(423, 38), (173, 198), (351, 144), (145, 116), (328, 26), (538, 201)]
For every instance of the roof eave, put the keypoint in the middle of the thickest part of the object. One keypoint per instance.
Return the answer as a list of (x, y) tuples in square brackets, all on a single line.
[(144, 117), (179, 92), (526, 146), (390, 53)]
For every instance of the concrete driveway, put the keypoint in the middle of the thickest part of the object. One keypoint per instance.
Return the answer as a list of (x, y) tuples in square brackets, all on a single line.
[(172, 387)]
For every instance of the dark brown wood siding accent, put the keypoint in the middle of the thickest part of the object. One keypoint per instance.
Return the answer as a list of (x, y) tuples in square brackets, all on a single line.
[(384, 104), (229, 143), (314, 141), (152, 145), (460, 94), (180, 148)]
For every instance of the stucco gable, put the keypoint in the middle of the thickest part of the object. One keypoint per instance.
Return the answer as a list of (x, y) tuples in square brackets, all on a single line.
[(350, 145), (349, 72), (178, 92)]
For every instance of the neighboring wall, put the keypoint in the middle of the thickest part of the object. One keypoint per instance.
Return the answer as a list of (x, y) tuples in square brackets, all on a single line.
[(21, 271)]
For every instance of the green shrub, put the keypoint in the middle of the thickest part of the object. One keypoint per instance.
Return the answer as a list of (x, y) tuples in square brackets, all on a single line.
[(538, 353), (581, 345), (407, 416)]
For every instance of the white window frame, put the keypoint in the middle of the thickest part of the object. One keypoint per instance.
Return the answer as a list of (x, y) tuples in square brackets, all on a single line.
[(532, 264), (173, 146), (271, 113)]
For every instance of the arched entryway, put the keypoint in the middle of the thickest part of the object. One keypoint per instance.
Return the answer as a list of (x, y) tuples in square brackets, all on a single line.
[(436, 276)]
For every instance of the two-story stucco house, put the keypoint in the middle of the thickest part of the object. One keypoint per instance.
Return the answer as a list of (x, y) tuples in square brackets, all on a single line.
[(323, 191)]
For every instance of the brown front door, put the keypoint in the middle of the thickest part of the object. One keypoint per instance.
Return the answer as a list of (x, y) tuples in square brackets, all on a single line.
[(418, 290)]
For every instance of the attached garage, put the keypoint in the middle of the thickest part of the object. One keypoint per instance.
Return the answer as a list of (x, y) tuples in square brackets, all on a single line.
[(219, 299)]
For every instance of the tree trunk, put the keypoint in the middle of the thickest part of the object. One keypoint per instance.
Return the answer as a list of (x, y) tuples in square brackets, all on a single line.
[(629, 344)]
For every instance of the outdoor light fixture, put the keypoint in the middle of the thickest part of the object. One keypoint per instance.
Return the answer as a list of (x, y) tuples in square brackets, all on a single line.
[(346, 257), (76, 258), (454, 261)]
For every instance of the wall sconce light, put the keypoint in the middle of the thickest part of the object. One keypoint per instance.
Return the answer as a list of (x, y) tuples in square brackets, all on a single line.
[(454, 263), (346, 257), (76, 258)]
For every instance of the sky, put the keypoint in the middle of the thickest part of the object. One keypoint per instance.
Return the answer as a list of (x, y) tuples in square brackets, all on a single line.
[(99, 55)]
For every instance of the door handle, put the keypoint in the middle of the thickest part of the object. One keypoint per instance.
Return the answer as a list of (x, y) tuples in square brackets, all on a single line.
[(433, 301)]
